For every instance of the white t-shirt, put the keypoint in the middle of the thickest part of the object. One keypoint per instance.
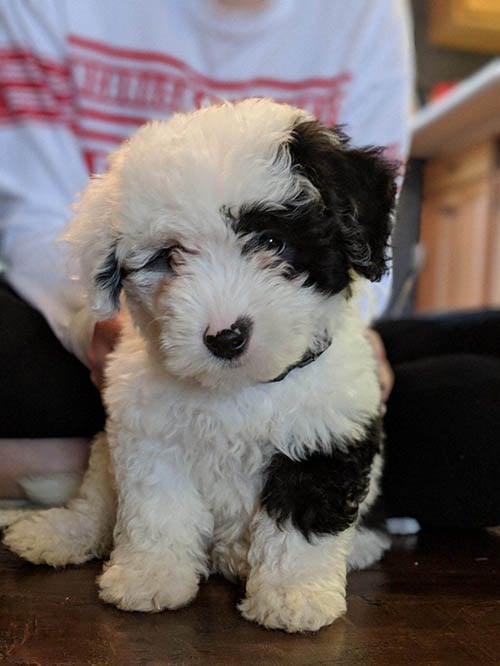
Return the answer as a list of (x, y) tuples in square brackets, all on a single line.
[(79, 77)]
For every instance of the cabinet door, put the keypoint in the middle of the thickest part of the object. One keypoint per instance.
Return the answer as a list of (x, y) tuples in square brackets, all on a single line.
[(493, 275), (454, 233)]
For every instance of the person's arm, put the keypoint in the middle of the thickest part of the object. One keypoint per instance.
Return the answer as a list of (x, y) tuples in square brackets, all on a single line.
[(42, 167)]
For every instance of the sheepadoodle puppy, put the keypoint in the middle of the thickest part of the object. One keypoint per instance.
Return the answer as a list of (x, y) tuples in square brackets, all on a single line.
[(244, 429)]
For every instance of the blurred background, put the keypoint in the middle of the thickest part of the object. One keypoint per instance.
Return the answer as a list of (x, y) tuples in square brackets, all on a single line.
[(447, 243)]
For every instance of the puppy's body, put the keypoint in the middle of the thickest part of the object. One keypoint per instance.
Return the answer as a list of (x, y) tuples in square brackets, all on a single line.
[(200, 462), (244, 430)]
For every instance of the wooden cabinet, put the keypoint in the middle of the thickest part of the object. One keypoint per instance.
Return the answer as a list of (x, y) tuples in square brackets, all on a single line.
[(460, 231), (493, 272), (459, 136), (465, 24)]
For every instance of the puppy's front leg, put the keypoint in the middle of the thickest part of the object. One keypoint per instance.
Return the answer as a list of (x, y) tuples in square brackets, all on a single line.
[(159, 551), (302, 535), (295, 584)]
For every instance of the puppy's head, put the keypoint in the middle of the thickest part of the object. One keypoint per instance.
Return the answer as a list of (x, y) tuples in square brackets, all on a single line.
[(235, 233)]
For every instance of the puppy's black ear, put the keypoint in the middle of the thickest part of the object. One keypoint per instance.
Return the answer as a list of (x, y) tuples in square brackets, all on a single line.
[(358, 190), (108, 284)]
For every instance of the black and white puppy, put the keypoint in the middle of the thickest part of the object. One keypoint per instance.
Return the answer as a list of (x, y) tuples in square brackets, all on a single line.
[(244, 430)]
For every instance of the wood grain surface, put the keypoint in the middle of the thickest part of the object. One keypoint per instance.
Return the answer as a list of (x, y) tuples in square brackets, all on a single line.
[(434, 599)]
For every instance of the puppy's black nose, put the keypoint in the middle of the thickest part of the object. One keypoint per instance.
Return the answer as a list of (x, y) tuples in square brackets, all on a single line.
[(231, 342)]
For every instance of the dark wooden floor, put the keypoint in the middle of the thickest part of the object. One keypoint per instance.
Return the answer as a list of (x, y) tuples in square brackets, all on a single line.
[(434, 600)]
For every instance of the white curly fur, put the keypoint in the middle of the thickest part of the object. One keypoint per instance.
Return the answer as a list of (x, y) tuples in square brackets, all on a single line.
[(172, 491)]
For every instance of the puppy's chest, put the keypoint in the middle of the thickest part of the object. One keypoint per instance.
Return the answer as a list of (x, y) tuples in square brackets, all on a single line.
[(226, 465)]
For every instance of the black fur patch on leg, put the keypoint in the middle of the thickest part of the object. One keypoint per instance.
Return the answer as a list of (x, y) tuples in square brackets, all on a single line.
[(322, 493)]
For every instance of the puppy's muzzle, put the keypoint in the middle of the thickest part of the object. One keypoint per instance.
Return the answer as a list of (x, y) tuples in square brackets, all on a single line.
[(230, 342)]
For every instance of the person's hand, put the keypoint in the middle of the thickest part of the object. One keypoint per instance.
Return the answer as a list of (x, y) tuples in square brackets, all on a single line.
[(104, 339), (385, 372)]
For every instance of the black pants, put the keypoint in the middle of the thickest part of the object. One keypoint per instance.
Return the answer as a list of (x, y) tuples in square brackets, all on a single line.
[(442, 422), (44, 390), (443, 419)]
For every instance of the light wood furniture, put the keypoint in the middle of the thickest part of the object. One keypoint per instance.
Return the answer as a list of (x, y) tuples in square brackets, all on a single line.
[(465, 24), (460, 216), (493, 279), (458, 230)]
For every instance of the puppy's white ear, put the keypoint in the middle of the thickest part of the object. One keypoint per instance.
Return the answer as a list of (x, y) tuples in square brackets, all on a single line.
[(93, 232)]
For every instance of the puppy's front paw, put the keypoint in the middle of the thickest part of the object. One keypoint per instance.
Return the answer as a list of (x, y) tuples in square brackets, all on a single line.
[(293, 609), (147, 586), (56, 537)]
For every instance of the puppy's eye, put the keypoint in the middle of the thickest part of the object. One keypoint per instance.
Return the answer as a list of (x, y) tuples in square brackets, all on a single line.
[(162, 260), (273, 244), (270, 241)]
